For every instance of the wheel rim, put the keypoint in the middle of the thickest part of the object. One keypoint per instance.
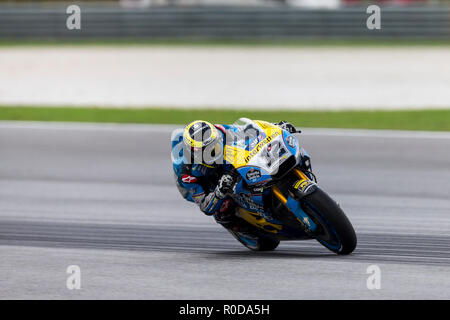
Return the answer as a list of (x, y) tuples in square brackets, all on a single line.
[(327, 236)]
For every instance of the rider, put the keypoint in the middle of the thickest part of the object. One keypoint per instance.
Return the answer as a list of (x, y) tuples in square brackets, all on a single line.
[(201, 174)]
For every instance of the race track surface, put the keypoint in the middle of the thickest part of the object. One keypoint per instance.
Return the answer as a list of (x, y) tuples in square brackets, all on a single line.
[(102, 197)]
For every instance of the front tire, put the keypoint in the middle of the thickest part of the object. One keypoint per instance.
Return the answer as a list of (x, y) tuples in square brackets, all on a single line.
[(336, 232)]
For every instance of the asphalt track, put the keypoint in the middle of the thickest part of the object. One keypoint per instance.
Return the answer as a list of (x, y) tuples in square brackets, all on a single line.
[(102, 197)]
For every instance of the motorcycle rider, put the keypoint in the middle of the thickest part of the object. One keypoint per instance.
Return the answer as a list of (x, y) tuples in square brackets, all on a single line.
[(201, 174)]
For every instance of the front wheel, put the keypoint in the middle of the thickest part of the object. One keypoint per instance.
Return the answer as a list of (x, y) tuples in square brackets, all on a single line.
[(334, 230)]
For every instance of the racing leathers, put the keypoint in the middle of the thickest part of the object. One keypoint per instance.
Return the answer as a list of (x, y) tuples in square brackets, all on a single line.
[(206, 185)]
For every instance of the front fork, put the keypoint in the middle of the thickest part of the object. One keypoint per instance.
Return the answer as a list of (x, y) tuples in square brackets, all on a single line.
[(299, 189)]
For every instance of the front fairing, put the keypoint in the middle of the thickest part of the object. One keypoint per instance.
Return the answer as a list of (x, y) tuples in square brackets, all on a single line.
[(258, 151)]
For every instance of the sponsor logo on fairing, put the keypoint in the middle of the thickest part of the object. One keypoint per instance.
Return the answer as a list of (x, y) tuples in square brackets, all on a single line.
[(253, 174), (246, 200), (260, 145)]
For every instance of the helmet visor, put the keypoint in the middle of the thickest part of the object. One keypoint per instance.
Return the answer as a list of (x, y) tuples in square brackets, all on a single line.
[(213, 153)]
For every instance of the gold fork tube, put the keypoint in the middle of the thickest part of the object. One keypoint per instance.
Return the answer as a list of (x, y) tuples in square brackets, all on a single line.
[(279, 195), (300, 174)]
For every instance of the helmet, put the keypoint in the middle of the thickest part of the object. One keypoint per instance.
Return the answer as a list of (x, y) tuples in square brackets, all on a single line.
[(203, 141)]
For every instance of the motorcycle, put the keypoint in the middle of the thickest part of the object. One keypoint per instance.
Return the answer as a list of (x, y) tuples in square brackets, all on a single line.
[(277, 194)]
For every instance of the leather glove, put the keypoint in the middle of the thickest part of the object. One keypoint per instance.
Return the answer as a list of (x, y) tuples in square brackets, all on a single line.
[(287, 126), (225, 186)]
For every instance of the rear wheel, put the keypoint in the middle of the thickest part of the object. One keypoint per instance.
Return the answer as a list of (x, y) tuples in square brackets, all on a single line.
[(334, 231), (255, 242)]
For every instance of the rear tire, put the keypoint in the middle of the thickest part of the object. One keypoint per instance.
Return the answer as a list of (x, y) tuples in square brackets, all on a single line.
[(341, 237), (254, 242), (267, 244)]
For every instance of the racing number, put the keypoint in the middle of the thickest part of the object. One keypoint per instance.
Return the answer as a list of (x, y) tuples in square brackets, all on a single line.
[(274, 152)]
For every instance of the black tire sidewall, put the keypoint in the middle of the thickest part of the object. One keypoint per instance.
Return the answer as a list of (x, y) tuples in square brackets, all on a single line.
[(335, 216)]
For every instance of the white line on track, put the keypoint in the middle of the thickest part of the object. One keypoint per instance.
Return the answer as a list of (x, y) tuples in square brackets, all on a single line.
[(163, 128)]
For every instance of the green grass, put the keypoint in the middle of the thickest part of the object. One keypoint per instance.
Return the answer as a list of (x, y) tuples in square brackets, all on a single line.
[(232, 43), (433, 120)]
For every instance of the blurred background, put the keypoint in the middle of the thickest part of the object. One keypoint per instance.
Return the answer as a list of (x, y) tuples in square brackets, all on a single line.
[(224, 19), (258, 54)]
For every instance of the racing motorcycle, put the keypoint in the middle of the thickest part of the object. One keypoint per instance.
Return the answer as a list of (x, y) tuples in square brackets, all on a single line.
[(277, 194)]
